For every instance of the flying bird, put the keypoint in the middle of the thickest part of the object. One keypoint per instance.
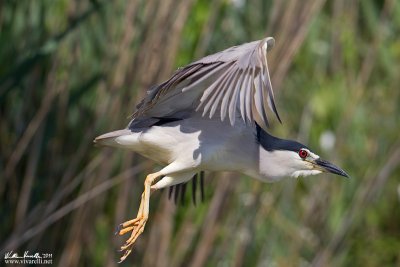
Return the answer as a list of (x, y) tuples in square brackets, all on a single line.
[(211, 115)]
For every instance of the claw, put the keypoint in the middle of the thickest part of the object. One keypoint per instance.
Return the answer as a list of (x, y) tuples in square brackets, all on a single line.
[(126, 254), (118, 229)]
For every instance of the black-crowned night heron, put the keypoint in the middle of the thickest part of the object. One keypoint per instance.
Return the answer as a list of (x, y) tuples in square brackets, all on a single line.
[(211, 115)]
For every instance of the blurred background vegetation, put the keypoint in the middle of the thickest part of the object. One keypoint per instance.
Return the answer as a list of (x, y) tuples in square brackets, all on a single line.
[(71, 70)]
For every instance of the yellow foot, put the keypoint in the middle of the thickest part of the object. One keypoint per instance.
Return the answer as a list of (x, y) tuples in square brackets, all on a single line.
[(136, 226)]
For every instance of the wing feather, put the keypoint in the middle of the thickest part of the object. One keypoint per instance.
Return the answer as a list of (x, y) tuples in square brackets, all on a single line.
[(249, 95), (222, 93), (259, 98), (242, 97), (229, 94), (211, 93), (235, 96), (236, 79)]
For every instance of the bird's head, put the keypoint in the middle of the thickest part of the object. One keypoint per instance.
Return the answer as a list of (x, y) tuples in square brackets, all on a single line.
[(281, 158)]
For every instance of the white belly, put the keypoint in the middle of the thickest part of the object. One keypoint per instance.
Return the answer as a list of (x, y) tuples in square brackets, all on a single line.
[(196, 143)]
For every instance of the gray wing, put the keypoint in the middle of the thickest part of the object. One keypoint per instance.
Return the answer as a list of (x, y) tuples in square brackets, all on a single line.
[(233, 80)]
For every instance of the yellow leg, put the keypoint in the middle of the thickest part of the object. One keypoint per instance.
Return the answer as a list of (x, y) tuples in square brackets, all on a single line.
[(136, 226)]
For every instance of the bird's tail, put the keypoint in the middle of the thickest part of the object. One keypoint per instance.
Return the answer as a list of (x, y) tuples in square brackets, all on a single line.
[(108, 139)]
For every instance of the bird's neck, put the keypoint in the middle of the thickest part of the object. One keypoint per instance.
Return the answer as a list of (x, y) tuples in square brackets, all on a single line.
[(276, 156), (275, 165)]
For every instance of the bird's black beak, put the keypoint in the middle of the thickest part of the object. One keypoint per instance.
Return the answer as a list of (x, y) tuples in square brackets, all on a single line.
[(329, 167)]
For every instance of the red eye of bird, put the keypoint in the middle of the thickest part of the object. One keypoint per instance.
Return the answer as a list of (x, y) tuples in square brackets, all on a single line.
[(303, 154)]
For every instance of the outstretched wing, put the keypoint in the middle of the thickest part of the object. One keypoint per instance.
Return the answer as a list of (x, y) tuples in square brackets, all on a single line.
[(233, 80)]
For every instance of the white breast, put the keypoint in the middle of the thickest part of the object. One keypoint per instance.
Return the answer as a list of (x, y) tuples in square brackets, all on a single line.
[(197, 143)]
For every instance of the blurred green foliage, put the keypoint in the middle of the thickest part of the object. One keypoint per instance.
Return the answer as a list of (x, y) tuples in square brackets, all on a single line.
[(71, 70)]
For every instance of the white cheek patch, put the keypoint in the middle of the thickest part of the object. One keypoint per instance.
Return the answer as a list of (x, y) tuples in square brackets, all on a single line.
[(304, 173)]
